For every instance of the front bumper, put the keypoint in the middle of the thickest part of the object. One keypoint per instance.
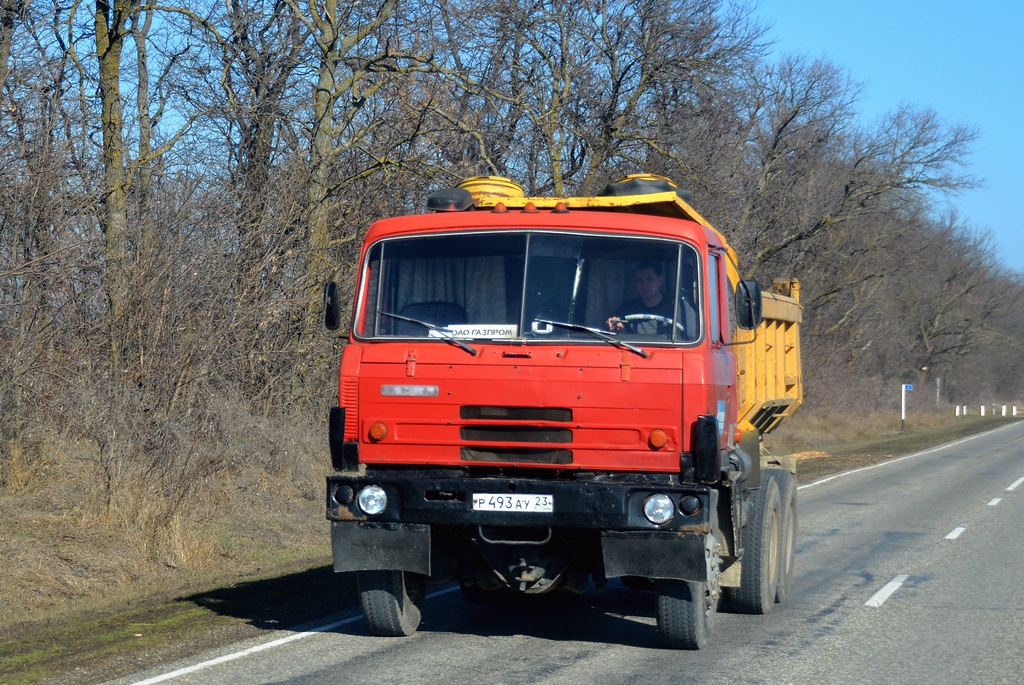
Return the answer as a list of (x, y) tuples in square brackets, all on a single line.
[(597, 503), (423, 503)]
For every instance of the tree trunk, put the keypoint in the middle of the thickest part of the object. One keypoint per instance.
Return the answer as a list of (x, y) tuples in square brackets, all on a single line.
[(110, 23)]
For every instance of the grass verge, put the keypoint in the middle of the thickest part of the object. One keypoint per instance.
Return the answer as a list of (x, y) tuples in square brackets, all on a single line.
[(866, 450), (95, 645)]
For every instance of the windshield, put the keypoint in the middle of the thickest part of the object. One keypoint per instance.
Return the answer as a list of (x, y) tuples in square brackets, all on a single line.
[(534, 285)]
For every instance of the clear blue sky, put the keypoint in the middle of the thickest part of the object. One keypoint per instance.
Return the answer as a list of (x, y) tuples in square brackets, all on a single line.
[(964, 60)]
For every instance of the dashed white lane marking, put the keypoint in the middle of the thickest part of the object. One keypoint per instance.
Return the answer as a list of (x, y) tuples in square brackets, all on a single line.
[(892, 586), (955, 533), (267, 645), (995, 501), (1015, 484)]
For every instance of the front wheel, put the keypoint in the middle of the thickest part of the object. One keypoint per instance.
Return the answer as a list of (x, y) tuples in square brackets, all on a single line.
[(686, 613), (390, 602)]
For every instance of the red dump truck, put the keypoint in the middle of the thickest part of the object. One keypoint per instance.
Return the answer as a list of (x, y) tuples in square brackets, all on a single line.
[(542, 393)]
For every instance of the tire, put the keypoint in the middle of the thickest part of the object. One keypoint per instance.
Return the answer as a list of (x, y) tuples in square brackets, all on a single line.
[(686, 614), (759, 573), (388, 606), (787, 528)]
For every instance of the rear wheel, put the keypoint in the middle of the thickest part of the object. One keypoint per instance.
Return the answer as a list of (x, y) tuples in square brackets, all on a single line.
[(686, 613), (759, 573), (787, 528), (390, 602)]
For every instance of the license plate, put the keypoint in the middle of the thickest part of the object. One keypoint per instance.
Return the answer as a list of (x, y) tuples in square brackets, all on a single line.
[(533, 504)]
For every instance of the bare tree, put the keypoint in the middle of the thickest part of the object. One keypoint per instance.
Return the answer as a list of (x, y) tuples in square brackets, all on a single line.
[(561, 94), (111, 30), (10, 10)]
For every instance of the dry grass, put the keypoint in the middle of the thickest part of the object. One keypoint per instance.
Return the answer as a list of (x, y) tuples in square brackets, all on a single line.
[(827, 444), (79, 524), (810, 431)]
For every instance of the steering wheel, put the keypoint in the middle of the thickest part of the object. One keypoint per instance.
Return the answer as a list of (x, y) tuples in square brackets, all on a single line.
[(632, 319)]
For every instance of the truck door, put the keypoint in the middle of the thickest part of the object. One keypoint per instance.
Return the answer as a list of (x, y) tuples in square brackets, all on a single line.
[(721, 390)]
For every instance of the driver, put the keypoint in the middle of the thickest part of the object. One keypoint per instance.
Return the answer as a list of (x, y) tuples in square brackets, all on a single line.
[(650, 287)]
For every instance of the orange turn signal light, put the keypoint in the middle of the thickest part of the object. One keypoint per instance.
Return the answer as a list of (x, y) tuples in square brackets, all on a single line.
[(378, 431), (657, 439)]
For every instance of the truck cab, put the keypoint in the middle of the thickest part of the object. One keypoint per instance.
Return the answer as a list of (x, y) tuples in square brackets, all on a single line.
[(539, 394)]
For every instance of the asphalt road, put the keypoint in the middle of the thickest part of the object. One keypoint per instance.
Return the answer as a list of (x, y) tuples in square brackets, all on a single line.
[(907, 572)]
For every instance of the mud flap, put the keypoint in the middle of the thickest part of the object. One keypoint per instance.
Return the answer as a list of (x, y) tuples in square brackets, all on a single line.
[(380, 547), (667, 556)]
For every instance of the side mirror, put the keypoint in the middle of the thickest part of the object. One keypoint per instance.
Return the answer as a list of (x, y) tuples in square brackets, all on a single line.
[(332, 307), (748, 305)]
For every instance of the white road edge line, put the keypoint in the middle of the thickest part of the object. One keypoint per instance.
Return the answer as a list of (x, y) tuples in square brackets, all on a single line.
[(955, 533), (995, 501), (1015, 484), (892, 586), (911, 456), (267, 645)]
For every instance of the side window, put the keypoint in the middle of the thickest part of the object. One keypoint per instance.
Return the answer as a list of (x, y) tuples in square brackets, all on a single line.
[(689, 287), (367, 322), (714, 299)]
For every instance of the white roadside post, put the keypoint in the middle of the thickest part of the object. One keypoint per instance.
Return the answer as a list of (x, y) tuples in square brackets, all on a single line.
[(903, 416)]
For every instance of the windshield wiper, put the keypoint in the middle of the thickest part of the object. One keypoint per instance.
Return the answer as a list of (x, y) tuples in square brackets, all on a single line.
[(597, 333), (445, 335)]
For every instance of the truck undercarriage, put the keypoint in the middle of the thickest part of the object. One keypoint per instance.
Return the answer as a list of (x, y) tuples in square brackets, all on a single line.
[(429, 533)]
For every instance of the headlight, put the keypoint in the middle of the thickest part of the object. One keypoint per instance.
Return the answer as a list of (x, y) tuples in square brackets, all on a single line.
[(659, 509), (373, 499)]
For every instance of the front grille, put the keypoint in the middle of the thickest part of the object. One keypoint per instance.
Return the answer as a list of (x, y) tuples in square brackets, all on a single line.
[(350, 400), (516, 454), (487, 413), (515, 434)]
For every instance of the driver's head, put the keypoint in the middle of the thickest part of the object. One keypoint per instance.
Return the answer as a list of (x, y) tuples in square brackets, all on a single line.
[(649, 282)]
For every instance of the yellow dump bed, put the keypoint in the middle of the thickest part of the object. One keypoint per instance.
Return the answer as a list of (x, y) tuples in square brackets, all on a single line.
[(770, 380)]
